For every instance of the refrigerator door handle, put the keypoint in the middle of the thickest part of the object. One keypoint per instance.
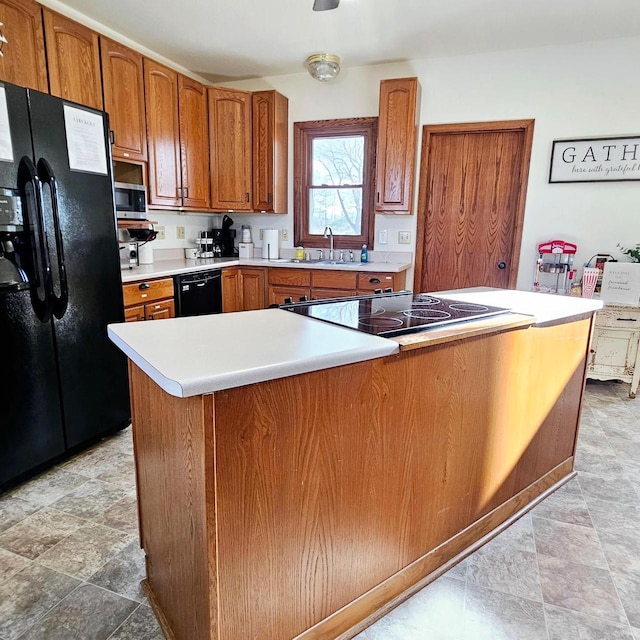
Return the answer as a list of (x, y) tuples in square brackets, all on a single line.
[(27, 175), (61, 302)]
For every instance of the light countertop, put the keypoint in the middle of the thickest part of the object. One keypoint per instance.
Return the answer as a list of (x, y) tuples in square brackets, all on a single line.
[(202, 354), (197, 355), (164, 268)]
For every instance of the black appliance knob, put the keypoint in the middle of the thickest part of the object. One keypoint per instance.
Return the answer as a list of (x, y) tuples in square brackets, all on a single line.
[(388, 290), (502, 265), (303, 298), (377, 291), (288, 300)]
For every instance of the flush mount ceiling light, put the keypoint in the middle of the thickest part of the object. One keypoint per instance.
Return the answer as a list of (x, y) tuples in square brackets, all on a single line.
[(325, 5), (323, 66)]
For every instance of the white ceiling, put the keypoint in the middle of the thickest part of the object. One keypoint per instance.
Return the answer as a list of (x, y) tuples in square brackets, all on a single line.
[(231, 39)]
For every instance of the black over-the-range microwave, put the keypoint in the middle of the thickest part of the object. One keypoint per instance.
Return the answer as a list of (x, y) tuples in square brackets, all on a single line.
[(131, 201)]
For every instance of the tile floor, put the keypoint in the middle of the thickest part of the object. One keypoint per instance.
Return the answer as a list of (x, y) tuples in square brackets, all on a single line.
[(70, 564)]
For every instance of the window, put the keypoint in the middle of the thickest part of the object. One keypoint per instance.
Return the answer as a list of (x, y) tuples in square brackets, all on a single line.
[(334, 169)]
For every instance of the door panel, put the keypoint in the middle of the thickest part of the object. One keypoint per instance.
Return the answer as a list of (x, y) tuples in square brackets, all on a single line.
[(194, 143), (93, 373), (473, 181)]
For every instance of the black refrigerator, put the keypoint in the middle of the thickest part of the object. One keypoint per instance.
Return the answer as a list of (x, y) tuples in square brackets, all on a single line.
[(63, 382)]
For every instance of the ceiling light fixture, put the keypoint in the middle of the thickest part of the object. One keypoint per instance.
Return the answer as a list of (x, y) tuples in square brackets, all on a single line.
[(323, 66)]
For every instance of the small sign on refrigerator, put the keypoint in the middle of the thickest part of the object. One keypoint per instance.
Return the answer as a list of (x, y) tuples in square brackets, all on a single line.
[(6, 147), (85, 140), (621, 283)]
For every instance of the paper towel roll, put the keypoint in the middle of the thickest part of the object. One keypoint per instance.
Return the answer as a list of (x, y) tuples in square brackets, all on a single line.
[(270, 245)]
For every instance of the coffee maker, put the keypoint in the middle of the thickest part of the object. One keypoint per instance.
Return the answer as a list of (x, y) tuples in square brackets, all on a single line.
[(223, 241)]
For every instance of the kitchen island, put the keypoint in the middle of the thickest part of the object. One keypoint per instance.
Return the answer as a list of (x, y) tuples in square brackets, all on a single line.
[(301, 479)]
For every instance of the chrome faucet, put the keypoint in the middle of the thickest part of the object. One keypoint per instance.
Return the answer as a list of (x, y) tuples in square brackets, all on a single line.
[(329, 234)]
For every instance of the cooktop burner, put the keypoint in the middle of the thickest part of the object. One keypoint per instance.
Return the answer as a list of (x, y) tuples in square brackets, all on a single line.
[(393, 314)]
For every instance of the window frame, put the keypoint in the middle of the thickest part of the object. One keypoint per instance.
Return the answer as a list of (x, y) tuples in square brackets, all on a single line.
[(303, 134)]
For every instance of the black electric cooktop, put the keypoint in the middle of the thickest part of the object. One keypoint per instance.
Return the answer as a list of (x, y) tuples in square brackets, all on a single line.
[(393, 314)]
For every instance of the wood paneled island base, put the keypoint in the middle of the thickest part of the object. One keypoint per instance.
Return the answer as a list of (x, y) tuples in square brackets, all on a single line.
[(306, 507)]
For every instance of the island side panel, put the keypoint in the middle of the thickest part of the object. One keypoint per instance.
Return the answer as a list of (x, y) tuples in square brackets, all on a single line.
[(331, 482), (174, 453)]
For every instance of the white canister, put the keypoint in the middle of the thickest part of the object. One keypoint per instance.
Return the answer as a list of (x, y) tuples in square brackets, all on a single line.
[(145, 253), (190, 253), (270, 244), (245, 250)]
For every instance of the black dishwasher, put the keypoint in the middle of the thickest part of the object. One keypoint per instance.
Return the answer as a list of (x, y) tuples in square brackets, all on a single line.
[(198, 294)]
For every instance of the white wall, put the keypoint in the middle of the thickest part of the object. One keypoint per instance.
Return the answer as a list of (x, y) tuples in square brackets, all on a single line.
[(583, 90)]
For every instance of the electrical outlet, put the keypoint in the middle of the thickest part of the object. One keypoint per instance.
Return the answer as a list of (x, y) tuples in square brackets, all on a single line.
[(383, 236), (180, 233), (160, 232), (261, 234), (404, 237), (284, 234)]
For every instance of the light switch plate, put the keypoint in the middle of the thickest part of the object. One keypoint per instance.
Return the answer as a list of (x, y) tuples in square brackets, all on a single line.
[(160, 232), (180, 233), (404, 237), (383, 236), (284, 234)]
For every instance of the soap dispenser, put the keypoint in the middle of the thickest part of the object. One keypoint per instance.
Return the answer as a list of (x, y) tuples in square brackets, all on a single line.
[(364, 254)]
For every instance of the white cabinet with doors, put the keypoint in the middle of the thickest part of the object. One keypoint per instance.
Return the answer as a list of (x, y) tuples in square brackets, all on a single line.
[(614, 353)]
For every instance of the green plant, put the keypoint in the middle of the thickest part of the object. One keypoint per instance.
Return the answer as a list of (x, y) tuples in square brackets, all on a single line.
[(633, 253)]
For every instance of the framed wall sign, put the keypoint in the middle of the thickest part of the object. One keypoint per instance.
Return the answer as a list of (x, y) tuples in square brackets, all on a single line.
[(595, 160)]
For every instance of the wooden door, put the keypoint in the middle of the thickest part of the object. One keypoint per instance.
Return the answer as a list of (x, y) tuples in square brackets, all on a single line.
[(123, 83), (473, 181), (163, 134), (73, 58), (230, 146), (251, 287), (194, 144), (270, 113), (397, 131), (23, 61)]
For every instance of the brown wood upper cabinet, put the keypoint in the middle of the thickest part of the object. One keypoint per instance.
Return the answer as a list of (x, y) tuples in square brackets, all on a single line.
[(194, 144), (176, 109), (397, 132), (123, 84), (270, 113), (73, 55), (23, 61), (230, 147)]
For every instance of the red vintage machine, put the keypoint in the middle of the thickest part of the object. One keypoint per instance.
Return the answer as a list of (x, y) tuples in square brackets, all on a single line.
[(554, 267)]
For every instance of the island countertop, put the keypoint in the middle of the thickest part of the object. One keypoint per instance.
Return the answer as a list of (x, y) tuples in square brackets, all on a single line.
[(203, 354)]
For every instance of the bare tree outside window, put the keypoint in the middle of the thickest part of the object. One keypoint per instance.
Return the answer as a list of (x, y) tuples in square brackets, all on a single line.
[(335, 196), (334, 163)]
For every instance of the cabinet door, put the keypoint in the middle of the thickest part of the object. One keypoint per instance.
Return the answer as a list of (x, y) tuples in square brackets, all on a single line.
[(194, 144), (230, 148), (396, 155), (278, 294), (134, 314), (613, 352), (252, 288), (23, 61), (160, 310), (123, 83), (73, 58), (230, 290), (270, 130), (163, 134)]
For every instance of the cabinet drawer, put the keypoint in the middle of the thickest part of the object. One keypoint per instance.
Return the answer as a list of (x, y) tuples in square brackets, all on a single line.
[(618, 318), (370, 281), (290, 277), (134, 314), (321, 294), (159, 310), (147, 291), (278, 294), (334, 280)]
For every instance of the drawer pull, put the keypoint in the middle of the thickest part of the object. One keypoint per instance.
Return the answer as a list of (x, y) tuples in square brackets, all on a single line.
[(374, 280), (627, 319), (143, 285)]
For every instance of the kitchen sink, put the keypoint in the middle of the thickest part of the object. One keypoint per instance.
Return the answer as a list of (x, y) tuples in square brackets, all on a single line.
[(317, 262)]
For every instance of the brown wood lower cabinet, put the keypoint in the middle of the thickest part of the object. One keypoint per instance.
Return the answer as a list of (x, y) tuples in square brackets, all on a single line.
[(243, 288), (148, 300), (286, 509), (317, 284)]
